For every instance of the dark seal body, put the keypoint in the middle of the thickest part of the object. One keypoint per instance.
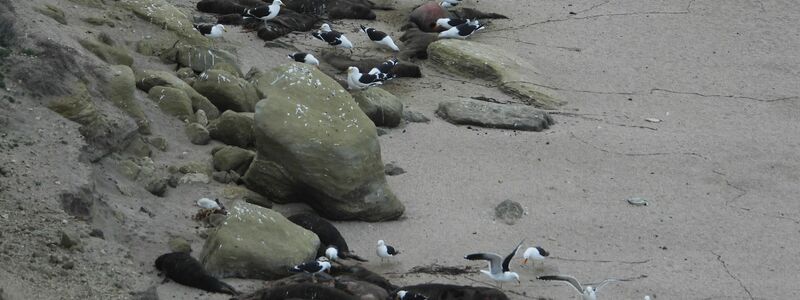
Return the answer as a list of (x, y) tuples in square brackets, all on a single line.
[(186, 270), (456, 292), (327, 233)]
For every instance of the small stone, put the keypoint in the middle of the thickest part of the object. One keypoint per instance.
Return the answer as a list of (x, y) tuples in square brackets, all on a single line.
[(381, 131), (180, 244), (97, 233), (202, 119), (157, 186), (68, 265), (159, 142), (652, 120), (194, 178), (198, 134), (225, 176), (509, 211), (393, 170), (415, 117), (68, 240), (54, 259)]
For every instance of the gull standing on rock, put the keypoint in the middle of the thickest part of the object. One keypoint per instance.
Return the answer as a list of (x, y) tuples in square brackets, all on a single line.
[(332, 37), (383, 250), (380, 37), (265, 13), (461, 31), (304, 58), (360, 81), (587, 293), (498, 267)]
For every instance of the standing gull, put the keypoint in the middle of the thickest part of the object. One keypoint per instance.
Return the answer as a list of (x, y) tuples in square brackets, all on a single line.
[(332, 37), (588, 292), (498, 267), (535, 253), (265, 13), (380, 37), (384, 250)]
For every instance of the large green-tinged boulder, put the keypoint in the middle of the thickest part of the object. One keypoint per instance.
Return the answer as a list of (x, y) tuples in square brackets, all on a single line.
[(165, 16), (494, 115), (227, 91), (198, 134), (120, 88), (312, 130), (105, 49), (256, 242), (383, 108), (202, 58), (233, 158), (233, 128), (173, 101), (476, 60), (147, 79)]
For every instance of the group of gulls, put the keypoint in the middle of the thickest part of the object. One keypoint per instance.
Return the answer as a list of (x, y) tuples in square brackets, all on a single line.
[(499, 268), (452, 28)]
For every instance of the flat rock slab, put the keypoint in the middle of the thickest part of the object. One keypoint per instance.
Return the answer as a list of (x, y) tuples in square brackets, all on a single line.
[(488, 62), (494, 115)]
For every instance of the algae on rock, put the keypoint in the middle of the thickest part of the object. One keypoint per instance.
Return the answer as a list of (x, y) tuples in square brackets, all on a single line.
[(476, 60), (311, 129)]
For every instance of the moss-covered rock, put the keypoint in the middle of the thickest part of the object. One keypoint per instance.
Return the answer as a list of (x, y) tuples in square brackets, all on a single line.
[(120, 88), (233, 128), (312, 129), (494, 115), (198, 134), (165, 16), (476, 60), (53, 12), (202, 58), (115, 55), (147, 79), (173, 101), (227, 91), (236, 192), (383, 108), (256, 242), (233, 158)]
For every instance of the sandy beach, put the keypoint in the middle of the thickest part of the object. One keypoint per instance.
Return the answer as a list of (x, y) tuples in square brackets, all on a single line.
[(692, 105)]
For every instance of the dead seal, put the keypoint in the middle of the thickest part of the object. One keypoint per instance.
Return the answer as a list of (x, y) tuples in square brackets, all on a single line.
[(332, 244), (186, 270), (436, 291)]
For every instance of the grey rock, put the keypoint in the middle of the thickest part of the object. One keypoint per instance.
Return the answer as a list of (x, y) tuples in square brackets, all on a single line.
[(201, 116), (197, 134), (383, 108), (233, 128), (233, 158), (68, 240), (227, 91), (225, 176), (194, 178), (314, 144), (159, 142), (147, 79), (393, 170), (493, 115), (472, 59), (272, 244), (156, 186), (173, 101), (97, 233), (179, 244), (509, 211), (415, 117)]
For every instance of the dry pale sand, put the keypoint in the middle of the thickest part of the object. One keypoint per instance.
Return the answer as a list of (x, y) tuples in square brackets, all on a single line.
[(721, 170)]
